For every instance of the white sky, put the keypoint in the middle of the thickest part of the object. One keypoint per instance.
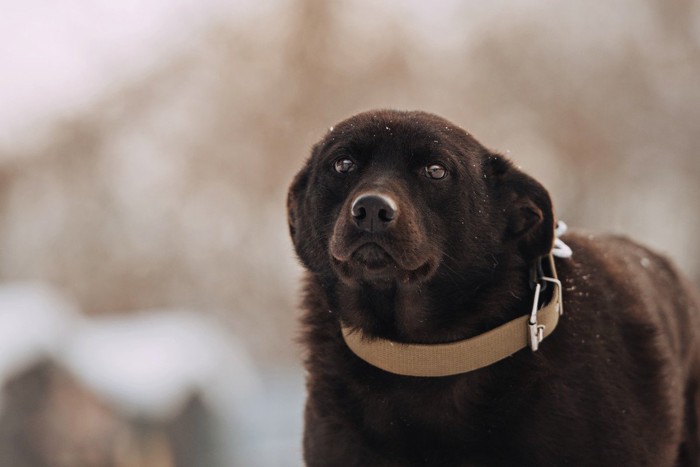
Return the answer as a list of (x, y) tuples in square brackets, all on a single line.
[(55, 57)]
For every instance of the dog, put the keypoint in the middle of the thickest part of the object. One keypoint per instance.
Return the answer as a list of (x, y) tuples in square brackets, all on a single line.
[(440, 330)]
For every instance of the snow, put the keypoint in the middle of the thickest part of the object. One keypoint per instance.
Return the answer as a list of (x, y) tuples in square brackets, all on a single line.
[(34, 319), (149, 364), (146, 364)]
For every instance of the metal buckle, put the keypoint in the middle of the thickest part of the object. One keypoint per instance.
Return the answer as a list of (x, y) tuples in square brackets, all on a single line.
[(560, 298), (536, 329)]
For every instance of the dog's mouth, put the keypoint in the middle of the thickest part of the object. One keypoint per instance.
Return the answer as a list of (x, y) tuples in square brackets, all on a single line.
[(371, 262), (372, 256)]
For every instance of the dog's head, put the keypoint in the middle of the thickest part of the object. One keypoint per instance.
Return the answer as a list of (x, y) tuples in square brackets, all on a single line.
[(403, 197)]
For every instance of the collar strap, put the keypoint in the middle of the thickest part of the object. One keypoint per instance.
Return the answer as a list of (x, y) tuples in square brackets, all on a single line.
[(466, 355)]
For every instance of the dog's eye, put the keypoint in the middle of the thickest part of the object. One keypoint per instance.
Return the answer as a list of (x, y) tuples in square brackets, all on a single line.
[(344, 165), (435, 171)]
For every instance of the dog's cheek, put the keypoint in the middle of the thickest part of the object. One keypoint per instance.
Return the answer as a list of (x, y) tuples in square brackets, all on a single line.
[(340, 234), (315, 231)]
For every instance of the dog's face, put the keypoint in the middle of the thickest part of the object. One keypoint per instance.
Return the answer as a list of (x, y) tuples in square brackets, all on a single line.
[(406, 197)]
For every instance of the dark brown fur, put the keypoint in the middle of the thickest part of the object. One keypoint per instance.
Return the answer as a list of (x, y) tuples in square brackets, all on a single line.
[(616, 384)]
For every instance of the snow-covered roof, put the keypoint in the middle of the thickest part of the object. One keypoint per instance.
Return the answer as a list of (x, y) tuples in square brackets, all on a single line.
[(146, 364), (150, 363), (34, 319)]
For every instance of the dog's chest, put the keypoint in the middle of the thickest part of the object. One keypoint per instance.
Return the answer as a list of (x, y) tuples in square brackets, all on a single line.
[(440, 412)]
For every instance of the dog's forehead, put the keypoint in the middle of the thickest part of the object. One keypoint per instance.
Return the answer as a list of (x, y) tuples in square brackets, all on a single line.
[(419, 125), (417, 130)]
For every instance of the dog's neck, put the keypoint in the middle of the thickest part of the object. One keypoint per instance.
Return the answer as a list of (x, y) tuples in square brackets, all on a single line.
[(440, 310), (393, 311)]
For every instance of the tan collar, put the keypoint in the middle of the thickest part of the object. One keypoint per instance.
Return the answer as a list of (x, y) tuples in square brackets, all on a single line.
[(466, 355)]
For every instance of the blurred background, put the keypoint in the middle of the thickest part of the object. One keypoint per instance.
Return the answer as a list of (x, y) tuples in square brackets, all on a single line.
[(149, 292)]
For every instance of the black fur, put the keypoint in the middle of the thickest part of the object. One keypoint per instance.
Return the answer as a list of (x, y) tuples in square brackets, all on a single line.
[(615, 385)]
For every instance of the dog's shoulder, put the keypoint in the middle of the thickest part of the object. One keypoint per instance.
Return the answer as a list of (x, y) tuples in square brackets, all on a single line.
[(614, 282), (623, 264)]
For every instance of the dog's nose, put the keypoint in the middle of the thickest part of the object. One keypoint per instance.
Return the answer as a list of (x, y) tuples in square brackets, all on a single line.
[(373, 212)]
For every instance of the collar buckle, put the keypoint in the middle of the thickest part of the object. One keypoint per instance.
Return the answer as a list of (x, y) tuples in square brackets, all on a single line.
[(536, 330)]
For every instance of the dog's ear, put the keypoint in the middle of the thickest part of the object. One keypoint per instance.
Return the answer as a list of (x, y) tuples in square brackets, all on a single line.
[(294, 200), (526, 205), (297, 193)]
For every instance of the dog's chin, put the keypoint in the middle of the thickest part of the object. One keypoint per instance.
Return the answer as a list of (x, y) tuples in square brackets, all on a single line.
[(370, 263)]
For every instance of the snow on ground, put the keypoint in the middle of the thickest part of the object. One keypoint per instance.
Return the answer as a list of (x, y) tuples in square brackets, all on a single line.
[(147, 364), (150, 363), (34, 320)]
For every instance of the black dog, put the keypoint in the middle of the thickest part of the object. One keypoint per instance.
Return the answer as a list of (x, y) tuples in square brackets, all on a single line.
[(414, 233)]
